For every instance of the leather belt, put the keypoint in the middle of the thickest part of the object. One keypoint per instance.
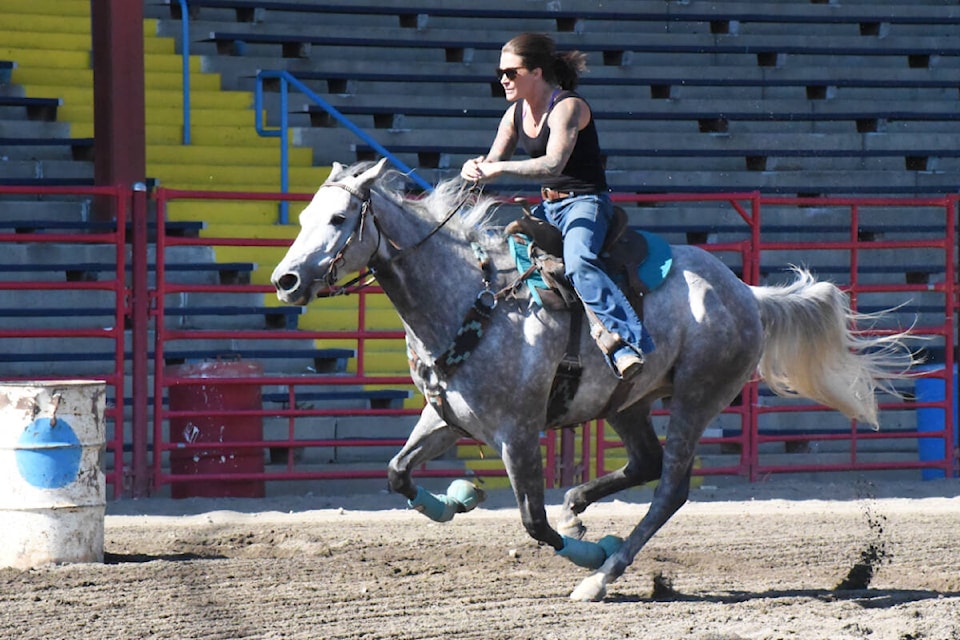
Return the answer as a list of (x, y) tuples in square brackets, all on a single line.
[(551, 195)]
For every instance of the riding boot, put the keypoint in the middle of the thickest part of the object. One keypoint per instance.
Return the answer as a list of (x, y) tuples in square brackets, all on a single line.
[(626, 360)]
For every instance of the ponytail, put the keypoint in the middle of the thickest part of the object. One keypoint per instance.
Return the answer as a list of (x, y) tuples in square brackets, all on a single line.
[(568, 66)]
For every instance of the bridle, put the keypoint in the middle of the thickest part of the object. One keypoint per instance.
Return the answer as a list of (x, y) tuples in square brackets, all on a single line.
[(363, 280), (366, 279)]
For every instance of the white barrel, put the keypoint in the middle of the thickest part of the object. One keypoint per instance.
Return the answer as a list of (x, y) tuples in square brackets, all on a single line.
[(52, 487)]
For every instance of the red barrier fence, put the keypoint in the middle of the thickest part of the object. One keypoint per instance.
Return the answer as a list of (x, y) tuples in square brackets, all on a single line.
[(43, 339), (869, 253), (324, 406)]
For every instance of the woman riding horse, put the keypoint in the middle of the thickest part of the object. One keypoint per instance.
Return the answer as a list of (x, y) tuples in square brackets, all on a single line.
[(713, 334), (555, 127)]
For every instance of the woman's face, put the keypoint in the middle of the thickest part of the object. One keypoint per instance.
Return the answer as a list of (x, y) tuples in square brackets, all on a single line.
[(515, 79)]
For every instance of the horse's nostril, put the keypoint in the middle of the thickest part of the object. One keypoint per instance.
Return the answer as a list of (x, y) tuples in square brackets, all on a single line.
[(288, 282)]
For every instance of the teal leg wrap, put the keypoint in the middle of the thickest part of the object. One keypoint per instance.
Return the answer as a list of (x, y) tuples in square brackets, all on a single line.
[(610, 544), (462, 496), (437, 508), (589, 555)]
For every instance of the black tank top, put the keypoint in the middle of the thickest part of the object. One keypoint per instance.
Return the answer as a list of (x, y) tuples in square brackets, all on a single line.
[(584, 170)]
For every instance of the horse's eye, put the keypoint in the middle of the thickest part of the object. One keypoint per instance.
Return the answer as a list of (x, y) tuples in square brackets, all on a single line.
[(337, 219)]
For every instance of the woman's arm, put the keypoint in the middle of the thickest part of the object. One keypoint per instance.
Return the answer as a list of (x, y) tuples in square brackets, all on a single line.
[(565, 121), (502, 148)]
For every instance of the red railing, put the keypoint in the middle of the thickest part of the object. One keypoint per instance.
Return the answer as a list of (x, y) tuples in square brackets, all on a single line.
[(63, 345), (747, 441), (754, 441), (595, 446), (289, 441)]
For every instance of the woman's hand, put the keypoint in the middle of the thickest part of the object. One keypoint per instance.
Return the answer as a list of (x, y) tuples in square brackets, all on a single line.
[(471, 171)]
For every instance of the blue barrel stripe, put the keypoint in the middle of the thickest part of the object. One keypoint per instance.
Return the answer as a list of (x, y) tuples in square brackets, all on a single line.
[(48, 454)]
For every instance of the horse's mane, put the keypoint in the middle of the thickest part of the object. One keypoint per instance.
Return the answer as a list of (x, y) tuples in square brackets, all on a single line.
[(474, 220)]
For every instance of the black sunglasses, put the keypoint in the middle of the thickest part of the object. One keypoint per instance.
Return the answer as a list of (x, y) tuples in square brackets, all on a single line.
[(510, 72)]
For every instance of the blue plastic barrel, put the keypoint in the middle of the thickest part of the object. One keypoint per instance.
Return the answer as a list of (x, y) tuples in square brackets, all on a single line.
[(933, 419)]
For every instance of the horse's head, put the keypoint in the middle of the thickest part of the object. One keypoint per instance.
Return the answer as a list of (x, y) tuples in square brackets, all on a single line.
[(336, 235)]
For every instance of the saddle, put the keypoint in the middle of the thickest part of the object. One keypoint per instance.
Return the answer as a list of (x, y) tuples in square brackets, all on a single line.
[(636, 260)]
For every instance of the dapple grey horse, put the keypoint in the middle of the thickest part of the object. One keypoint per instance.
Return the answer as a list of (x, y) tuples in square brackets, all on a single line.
[(437, 261)]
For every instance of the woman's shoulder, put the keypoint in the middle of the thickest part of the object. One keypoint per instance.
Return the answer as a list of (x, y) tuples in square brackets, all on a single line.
[(567, 99), (563, 94), (569, 105)]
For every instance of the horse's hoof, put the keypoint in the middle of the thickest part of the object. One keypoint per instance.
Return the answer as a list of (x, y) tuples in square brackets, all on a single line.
[(572, 528), (591, 589)]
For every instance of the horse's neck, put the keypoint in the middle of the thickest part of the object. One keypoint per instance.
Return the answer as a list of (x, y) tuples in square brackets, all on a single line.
[(432, 285)]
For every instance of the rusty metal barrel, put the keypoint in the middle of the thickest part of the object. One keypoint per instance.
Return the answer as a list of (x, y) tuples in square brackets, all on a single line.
[(52, 486)]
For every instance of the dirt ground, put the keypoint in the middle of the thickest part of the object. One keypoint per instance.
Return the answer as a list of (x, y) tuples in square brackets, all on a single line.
[(752, 561)]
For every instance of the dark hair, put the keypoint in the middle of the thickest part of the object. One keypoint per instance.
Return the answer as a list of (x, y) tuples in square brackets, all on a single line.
[(539, 51)]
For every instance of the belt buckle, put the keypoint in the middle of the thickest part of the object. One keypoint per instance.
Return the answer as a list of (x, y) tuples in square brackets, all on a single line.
[(552, 195)]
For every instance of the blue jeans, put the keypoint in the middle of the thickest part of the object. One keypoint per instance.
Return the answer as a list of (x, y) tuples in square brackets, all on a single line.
[(583, 221)]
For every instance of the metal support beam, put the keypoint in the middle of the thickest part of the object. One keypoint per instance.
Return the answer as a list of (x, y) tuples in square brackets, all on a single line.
[(119, 148), (118, 96)]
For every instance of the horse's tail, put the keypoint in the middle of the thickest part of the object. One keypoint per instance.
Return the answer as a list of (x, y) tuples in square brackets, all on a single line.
[(813, 347)]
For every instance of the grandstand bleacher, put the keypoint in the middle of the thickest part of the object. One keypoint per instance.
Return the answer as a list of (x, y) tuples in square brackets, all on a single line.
[(869, 21), (749, 68), (36, 108)]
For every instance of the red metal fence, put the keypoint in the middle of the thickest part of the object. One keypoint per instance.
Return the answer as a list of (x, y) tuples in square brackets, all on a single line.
[(879, 250), (892, 251), (283, 445), (43, 340)]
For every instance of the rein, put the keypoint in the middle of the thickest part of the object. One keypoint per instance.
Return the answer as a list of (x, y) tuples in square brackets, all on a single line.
[(419, 243)]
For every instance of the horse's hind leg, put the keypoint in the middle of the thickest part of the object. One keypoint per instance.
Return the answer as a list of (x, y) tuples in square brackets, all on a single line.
[(671, 493), (644, 464), (690, 412)]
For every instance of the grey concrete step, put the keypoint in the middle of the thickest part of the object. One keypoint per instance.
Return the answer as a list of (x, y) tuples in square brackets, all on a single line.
[(23, 128), (59, 167), (18, 207), (382, 437)]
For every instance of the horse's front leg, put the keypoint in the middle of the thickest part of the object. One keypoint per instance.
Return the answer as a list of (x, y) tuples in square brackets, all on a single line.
[(521, 457), (430, 437)]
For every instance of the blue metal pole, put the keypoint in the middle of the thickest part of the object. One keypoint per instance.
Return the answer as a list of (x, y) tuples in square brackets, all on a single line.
[(284, 152), (339, 117), (260, 118), (185, 72), (286, 78)]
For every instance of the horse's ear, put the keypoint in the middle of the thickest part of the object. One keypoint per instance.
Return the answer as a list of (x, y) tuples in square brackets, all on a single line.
[(365, 180), (336, 170), (373, 172)]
